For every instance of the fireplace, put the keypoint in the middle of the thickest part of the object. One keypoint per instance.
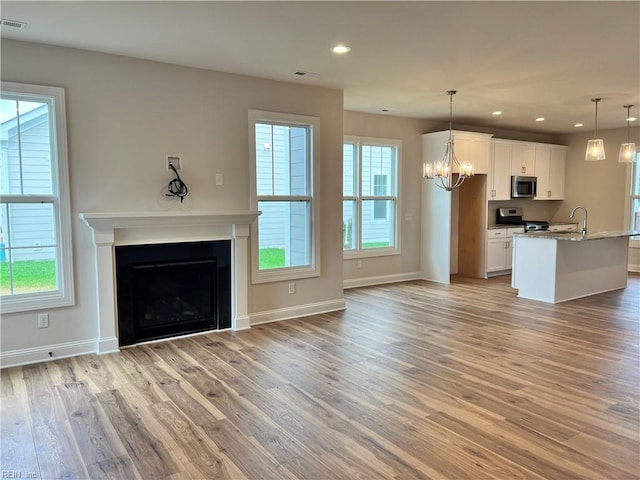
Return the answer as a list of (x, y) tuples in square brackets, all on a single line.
[(112, 230), (164, 290)]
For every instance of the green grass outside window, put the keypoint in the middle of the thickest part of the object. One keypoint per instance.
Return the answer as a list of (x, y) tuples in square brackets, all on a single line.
[(28, 276), (271, 258)]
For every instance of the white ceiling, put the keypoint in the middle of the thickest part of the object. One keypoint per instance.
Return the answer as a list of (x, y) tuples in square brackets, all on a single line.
[(528, 59)]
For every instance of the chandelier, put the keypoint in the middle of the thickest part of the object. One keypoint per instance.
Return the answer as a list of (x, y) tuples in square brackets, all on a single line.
[(442, 171)]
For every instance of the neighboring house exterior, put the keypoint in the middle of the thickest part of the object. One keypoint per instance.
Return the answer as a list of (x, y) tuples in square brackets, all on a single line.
[(281, 170), (31, 233)]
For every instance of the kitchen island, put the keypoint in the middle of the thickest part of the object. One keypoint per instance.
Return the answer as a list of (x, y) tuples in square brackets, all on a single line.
[(555, 267)]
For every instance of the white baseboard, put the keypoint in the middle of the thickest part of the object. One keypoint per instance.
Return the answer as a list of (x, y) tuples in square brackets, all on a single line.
[(634, 268), (14, 358), (380, 279), (241, 322), (108, 345), (296, 312)]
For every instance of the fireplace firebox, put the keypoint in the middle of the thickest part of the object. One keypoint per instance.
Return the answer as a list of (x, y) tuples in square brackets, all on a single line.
[(165, 290)]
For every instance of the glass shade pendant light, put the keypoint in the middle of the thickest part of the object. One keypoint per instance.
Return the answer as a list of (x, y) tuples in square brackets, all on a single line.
[(627, 150), (442, 171), (595, 146)]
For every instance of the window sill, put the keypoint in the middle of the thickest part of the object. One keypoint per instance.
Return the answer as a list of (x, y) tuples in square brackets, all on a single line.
[(284, 274), (28, 303), (374, 252)]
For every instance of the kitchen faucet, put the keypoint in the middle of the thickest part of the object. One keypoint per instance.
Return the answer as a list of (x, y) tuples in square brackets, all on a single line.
[(584, 221)]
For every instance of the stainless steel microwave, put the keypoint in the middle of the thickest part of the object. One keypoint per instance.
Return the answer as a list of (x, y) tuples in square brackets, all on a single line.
[(523, 187)]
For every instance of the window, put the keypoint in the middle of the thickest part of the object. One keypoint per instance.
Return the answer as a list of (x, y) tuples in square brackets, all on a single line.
[(634, 218), (284, 152), (370, 196), (35, 232)]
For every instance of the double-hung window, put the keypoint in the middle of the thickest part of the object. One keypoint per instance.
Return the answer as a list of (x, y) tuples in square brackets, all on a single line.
[(35, 232), (284, 151), (634, 200), (370, 201)]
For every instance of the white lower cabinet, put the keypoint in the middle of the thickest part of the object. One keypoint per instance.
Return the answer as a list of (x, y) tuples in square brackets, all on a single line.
[(500, 249)]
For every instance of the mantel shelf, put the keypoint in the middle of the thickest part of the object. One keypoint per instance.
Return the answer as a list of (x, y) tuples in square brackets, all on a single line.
[(125, 220)]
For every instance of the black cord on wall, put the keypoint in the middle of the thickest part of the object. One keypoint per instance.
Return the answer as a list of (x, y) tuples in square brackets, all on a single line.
[(176, 187)]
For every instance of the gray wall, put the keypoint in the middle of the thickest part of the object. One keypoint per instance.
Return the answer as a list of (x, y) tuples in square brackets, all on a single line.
[(601, 187), (124, 117), (409, 131)]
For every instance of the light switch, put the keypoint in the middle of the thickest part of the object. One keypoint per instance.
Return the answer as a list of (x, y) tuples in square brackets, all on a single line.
[(219, 179)]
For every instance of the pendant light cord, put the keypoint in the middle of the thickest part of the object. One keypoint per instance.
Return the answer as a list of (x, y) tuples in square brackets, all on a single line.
[(596, 100), (596, 129), (451, 93)]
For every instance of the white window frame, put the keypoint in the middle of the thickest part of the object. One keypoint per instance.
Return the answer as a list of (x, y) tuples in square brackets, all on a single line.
[(298, 272), (358, 251), (64, 295), (632, 172)]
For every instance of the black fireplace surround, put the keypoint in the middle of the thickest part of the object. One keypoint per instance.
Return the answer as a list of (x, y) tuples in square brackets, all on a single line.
[(170, 289)]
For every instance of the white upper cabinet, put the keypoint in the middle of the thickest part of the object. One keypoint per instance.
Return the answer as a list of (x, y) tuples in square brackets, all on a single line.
[(499, 177), (474, 148), (523, 159), (550, 167), (468, 147), (557, 169), (516, 158)]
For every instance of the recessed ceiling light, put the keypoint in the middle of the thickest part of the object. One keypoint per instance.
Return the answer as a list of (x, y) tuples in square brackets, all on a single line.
[(496, 113), (540, 119), (341, 49), (577, 125)]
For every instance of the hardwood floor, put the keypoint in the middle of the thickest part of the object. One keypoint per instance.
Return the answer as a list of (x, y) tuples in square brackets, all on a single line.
[(413, 380)]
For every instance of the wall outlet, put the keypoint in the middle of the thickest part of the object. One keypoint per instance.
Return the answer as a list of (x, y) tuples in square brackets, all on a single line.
[(43, 320), (292, 288), (219, 179), (358, 263), (175, 161)]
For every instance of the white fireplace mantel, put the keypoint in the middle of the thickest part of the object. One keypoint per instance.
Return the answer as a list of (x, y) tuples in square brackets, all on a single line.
[(125, 228), (121, 220)]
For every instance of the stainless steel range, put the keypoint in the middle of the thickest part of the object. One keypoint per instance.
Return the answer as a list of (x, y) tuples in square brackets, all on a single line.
[(513, 216)]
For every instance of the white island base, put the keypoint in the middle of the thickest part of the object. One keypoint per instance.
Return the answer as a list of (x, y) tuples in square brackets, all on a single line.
[(556, 268)]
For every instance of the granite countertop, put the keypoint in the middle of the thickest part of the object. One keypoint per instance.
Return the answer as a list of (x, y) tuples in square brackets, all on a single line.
[(506, 225), (577, 236)]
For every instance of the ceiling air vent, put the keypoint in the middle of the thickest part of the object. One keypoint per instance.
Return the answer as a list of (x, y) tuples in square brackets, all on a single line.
[(13, 23)]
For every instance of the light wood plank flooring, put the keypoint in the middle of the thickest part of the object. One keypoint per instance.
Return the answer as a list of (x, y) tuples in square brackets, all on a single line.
[(413, 380)]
